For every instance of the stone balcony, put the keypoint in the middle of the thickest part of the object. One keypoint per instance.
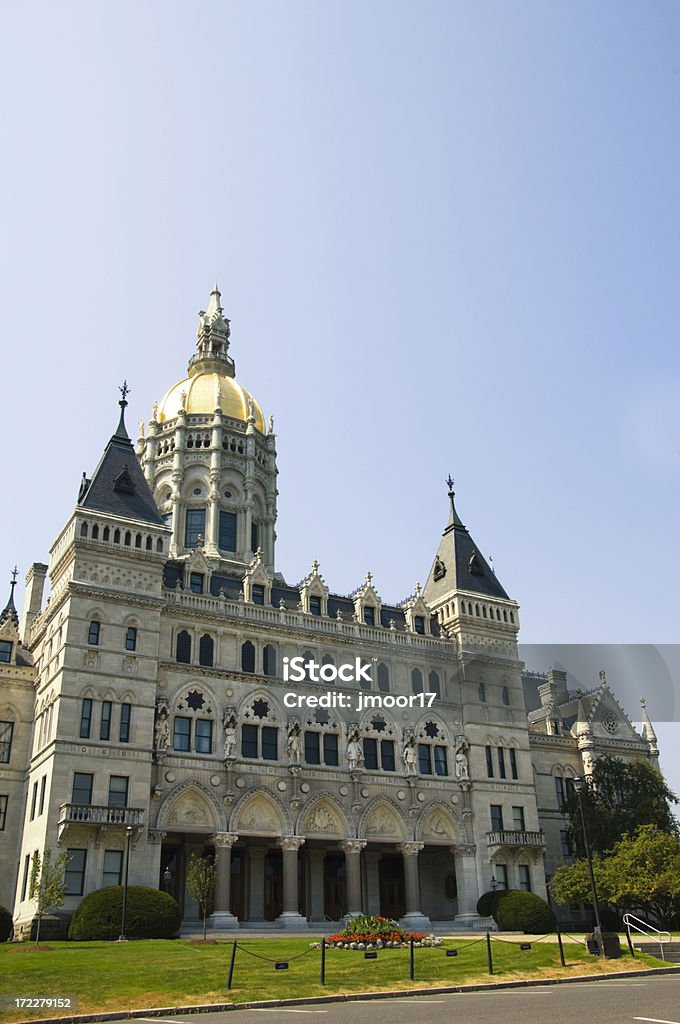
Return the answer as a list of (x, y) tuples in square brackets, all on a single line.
[(514, 839), (100, 817)]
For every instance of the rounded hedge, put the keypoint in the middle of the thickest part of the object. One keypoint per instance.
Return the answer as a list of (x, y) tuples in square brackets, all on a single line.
[(488, 901), (520, 911), (150, 914), (5, 924)]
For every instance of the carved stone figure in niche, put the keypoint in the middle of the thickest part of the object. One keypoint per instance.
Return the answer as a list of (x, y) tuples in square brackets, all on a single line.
[(410, 756), (229, 734), (462, 764), (354, 752), (294, 743), (162, 730)]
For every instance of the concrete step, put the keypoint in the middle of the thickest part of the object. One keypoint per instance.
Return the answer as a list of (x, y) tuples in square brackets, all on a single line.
[(671, 950)]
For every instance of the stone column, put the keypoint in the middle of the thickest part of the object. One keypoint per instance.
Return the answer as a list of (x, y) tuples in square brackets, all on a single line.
[(222, 916), (316, 884), (256, 855), (466, 882), (154, 841), (373, 883), (291, 917), (414, 917), (352, 849)]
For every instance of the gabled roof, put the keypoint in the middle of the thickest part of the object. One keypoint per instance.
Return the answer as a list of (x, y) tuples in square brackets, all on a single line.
[(458, 564), (118, 487)]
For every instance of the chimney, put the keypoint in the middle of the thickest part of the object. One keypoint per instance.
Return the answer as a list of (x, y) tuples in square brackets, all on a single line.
[(33, 595)]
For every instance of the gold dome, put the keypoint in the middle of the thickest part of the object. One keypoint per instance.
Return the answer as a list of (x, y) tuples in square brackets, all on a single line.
[(204, 392)]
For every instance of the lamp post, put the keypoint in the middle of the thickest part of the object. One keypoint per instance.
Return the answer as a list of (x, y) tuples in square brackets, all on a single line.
[(578, 786), (128, 837)]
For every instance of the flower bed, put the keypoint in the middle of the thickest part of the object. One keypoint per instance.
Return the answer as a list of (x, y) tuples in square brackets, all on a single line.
[(378, 933)]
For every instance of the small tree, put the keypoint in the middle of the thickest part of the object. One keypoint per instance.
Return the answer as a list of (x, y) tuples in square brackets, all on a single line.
[(47, 884), (200, 883), (641, 872)]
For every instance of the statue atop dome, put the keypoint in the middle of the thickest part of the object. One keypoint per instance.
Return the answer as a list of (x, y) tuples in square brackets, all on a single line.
[(212, 340)]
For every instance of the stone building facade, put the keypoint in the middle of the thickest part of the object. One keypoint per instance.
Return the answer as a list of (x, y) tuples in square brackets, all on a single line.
[(153, 702)]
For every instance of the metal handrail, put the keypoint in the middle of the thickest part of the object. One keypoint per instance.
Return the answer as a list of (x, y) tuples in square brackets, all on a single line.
[(647, 929)]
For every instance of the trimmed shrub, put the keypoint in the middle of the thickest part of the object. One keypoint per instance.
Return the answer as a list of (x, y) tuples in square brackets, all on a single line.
[(520, 911), (488, 901), (5, 924), (150, 914)]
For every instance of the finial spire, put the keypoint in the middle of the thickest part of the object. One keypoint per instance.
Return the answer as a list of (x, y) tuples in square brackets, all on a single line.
[(647, 730), (9, 611), (121, 431), (454, 519)]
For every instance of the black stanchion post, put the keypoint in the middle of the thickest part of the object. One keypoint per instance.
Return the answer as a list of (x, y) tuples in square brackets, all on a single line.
[(323, 961), (411, 965), (631, 947), (231, 965), (488, 953), (559, 943)]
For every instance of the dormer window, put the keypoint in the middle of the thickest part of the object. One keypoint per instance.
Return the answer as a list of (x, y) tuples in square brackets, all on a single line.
[(369, 615), (419, 624), (6, 651), (258, 593), (315, 605)]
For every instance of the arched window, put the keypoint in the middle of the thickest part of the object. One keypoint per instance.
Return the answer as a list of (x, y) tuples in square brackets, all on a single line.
[(383, 678), (206, 648), (481, 692), (433, 683), (183, 648), (128, 538), (149, 543), (416, 681), (106, 534), (116, 536), (95, 532), (505, 695), (247, 657), (269, 660), (83, 529)]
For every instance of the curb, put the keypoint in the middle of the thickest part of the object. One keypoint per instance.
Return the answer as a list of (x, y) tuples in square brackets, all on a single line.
[(340, 997)]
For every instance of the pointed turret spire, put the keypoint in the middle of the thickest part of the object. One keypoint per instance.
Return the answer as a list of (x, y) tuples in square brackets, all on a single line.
[(458, 565), (647, 730), (9, 612), (121, 432)]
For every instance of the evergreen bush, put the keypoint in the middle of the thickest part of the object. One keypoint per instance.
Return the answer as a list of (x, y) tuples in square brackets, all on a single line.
[(150, 914)]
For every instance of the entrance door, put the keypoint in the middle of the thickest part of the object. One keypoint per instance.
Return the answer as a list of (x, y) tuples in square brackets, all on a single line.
[(172, 872), (273, 885), (391, 875), (334, 886)]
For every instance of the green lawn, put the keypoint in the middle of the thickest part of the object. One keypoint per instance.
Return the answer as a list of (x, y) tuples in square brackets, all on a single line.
[(160, 973)]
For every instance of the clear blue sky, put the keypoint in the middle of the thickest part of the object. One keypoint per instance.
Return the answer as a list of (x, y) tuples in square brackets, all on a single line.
[(447, 237)]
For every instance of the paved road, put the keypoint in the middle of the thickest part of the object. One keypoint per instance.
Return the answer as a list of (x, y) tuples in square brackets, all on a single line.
[(616, 1001)]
